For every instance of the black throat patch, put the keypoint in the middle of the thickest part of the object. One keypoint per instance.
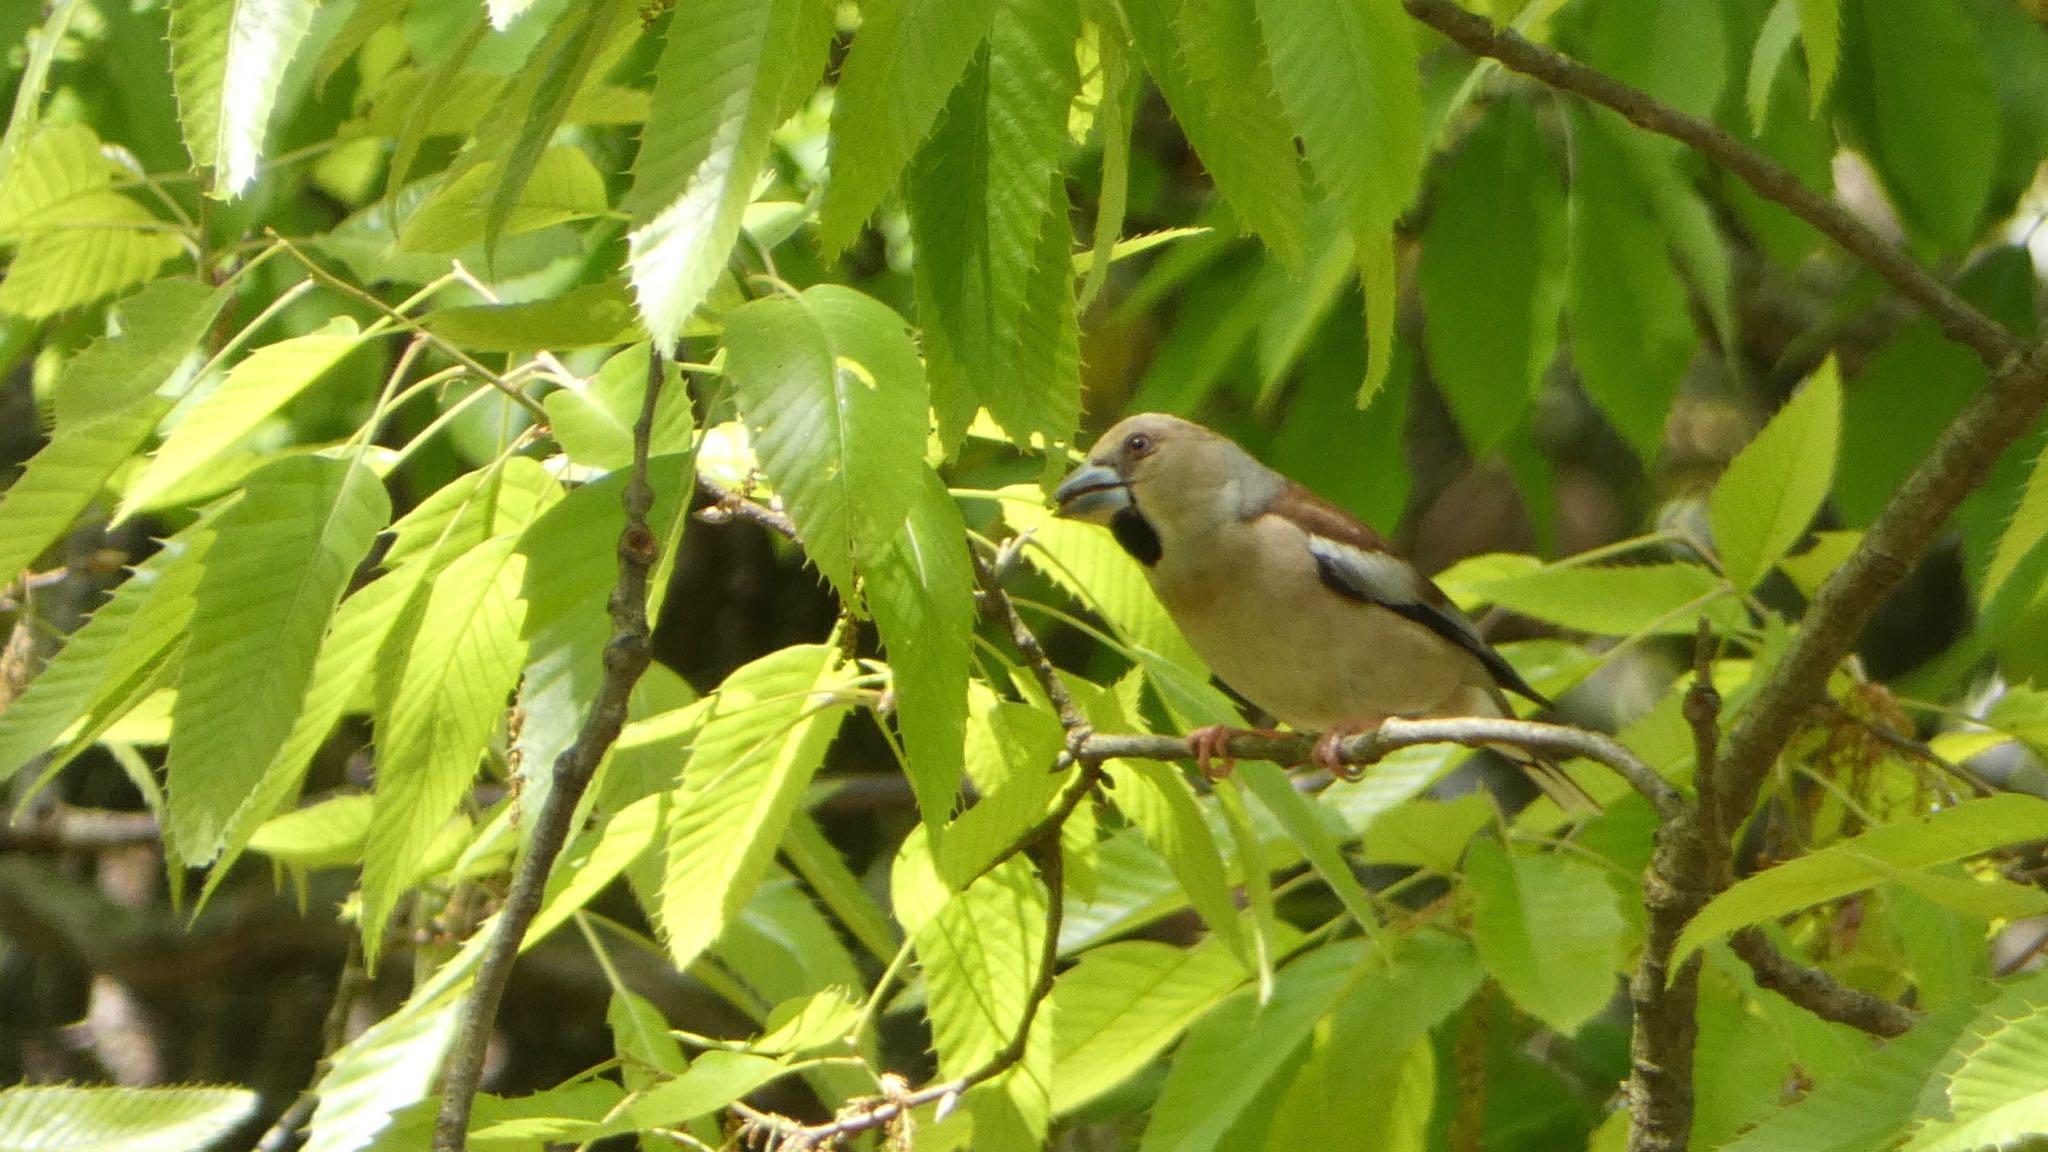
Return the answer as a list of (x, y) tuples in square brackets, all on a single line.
[(1136, 535)]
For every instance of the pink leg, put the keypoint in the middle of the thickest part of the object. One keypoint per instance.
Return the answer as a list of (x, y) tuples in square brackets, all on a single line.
[(1329, 751)]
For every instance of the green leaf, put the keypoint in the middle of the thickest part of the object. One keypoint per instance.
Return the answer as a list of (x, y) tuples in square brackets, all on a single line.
[(1123, 1004), (1849, 866), (835, 401), (1774, 487), (1631, 326), (588, 316), (1820, 29), (1492, 273), (1773, 45), (979, 953), (1347, 75), (562, 185), (907, 56), (1240, 1046), (571, 568), (1309, 826), (145, 616), (1613, 601), (987, 212), (921, 592), (432, 725), (1086, 562), (255, 388), (513, 136), (766, 734), (593, 422), (106, 408), (228, 61), (447, 524), (64, 1118), (717, 88), (1862, 1108), (102, 244), (329, 834), (1234, 122), (392, 1064), (1988, 1090), (1008, 747), (1158, 799), (2021, 538), (1549, 930), (284, 555), (1428, 833), (595, 859), (1917, 83), (78, 238)]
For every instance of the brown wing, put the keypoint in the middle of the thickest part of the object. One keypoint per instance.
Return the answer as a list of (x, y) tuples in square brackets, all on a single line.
[(1355, 562)]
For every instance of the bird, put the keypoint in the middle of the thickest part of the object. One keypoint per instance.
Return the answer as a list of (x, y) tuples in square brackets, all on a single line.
[(1296, 605)]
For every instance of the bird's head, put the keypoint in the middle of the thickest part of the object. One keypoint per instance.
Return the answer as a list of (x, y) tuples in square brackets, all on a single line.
[(1170, 469)]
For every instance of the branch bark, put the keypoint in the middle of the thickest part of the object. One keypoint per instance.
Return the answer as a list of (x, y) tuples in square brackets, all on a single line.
[(1816, 991), (626, 656)]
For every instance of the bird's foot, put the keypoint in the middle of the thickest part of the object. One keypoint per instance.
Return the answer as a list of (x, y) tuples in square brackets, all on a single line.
[(1209, 743), (1329, 749), (1212, 743)]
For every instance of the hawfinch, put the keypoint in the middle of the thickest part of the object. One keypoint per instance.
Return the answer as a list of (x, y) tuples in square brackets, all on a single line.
[(1291, 601)]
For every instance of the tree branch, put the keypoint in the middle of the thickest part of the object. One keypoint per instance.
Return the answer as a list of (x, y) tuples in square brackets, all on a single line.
[(1815, 990), (1895, 542), (1962, 322), (625, 657), (67, 829), (1294, 748)]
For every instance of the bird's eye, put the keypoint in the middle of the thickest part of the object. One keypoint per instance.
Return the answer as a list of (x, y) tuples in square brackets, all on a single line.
[(1138, 444)]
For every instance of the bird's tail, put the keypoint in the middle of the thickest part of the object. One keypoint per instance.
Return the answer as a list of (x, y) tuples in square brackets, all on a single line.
[(1547, 774)]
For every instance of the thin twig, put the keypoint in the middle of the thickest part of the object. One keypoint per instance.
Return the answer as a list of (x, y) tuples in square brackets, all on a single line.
[(1962, 322), (333, 1032), (626, 656), (1815, 990), (789, 1135)]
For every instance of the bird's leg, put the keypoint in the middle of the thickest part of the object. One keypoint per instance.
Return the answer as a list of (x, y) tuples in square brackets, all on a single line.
[(1329, 750)]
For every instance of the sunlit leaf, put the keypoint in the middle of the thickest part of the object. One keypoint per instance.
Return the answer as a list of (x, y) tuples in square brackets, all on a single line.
[(835, 399), (764, 737), (106, 408), (908, 56), (284, 555), (228, 60), (717, 92), (1123, 1004), (67, 1118), (255, 388), (462, 662)]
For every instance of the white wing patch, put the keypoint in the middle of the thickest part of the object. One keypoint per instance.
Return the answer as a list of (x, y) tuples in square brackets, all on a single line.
[(1376, 576)]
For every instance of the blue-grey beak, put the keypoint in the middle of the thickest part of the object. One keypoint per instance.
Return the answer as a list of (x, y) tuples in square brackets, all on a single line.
[(1093, 492)]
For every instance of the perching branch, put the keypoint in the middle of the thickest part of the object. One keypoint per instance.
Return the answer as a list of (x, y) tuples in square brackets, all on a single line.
[(1963, 323), (626, 656)]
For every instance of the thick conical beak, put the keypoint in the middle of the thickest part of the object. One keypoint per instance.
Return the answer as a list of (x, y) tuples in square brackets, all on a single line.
[(1094, 492)]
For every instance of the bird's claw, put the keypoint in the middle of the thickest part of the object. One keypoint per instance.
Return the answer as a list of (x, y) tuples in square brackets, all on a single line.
[(1212, 742), (1329, 749)]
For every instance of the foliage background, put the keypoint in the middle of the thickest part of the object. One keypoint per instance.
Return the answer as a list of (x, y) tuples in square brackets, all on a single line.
[(325, 328)]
